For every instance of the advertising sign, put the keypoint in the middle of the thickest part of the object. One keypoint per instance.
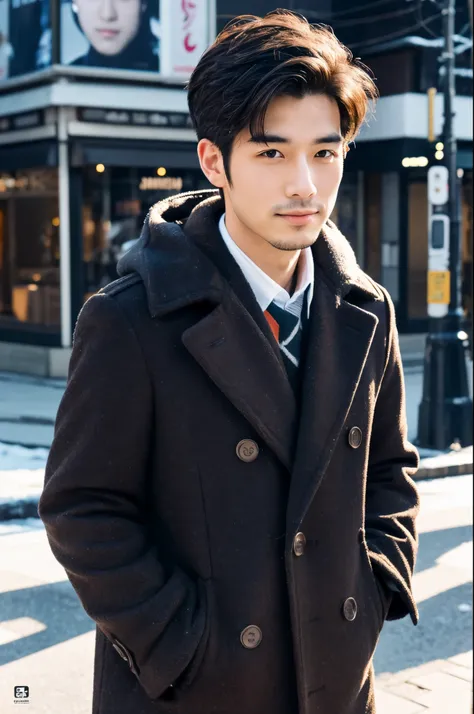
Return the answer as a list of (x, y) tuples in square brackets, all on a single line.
[(111, 34), (163, 36), (134, 118), (25, 37), (166, 37), (439, 277), (439, 287), (185, 35)]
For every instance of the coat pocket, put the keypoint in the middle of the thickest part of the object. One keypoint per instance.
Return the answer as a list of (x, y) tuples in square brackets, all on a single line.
[(171, 700), (375, 585), (193, 669)]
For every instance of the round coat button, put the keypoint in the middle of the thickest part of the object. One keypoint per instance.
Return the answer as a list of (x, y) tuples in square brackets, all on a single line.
[(247, 450), (251, 637), (355, 437), (299, 544), (350, 609)]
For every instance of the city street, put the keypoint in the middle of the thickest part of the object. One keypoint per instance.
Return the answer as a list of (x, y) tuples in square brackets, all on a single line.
[(242, 176), (46, 639)]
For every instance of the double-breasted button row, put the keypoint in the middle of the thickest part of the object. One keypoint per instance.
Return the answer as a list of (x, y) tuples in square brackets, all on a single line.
[(355, 437), (247, 450), (251, 636)]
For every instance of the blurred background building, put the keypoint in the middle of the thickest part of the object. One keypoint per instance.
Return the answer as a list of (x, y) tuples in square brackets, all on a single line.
[(94, 129)]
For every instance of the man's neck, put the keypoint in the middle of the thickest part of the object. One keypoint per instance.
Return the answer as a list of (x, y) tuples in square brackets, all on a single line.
[(294, 282), (280, 265)]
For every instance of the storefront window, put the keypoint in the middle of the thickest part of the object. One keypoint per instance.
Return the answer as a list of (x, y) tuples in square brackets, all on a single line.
[(115, 203), (373, 224), (417, 250), (345, 213), (29, 250)]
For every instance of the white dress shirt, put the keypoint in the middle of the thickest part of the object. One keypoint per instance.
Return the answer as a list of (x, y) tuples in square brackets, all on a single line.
[(266, 290)]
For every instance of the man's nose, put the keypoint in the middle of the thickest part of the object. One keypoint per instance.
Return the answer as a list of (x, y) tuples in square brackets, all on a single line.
[(301, 181)]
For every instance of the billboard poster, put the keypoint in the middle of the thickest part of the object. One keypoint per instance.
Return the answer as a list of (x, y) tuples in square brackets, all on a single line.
[(114, 34), (25, 37), (186, 34), (162, 36)]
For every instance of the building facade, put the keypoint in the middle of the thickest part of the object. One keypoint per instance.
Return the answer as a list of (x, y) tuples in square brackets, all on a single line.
[(94, 129), (385, 198), (89, 140)]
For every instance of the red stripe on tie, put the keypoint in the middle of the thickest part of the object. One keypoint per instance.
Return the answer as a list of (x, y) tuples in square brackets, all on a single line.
[(274, 326)]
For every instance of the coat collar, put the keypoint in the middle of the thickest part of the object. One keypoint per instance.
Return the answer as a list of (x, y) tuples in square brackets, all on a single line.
[(180, 243)]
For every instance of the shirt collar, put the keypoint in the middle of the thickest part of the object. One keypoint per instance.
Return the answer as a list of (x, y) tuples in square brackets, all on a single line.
[(266, 290)]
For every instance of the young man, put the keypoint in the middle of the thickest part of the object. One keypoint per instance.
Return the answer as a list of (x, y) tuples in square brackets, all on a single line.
[(229, 485)]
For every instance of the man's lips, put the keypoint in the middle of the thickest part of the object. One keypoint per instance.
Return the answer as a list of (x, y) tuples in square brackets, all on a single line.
[(299, 218)]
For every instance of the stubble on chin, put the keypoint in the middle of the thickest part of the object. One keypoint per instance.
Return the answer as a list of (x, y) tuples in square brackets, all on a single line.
[(293, 244)]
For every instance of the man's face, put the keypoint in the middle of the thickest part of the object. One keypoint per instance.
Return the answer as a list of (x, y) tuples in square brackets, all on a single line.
[(109, 25), (296, 168)]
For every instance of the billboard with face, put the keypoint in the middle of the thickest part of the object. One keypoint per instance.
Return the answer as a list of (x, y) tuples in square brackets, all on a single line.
[(165, 37), (25, 37), (118, 34), (162, 36)]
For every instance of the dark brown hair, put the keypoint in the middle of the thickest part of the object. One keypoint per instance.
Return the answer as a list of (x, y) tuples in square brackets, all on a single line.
[(254, 59)]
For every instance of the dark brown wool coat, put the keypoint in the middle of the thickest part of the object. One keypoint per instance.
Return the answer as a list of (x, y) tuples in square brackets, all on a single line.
[(175, 539)]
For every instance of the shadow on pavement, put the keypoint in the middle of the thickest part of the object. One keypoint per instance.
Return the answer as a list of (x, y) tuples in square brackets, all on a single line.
[(55, 605), (443, 630), (434, 544)]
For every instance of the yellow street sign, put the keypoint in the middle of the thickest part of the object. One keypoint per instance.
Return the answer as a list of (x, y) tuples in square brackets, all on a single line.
[(439, 287), (431, 114)]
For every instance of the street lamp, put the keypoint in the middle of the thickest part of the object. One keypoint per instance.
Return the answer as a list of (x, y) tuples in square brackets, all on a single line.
[(445, 413)]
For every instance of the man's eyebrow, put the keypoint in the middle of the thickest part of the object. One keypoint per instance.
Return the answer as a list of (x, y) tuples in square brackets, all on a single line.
[(334, 138)]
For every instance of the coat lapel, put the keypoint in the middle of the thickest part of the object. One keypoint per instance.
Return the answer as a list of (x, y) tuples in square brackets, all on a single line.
[(338, 342), (183, 261), (235, 346), (240, 361)]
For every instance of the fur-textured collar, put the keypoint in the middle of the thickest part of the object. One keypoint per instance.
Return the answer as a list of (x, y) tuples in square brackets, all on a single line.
[(179, 235)]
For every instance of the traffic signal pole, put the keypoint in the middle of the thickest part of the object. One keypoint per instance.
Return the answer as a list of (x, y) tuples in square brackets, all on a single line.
[(445, 412), (451, 150)]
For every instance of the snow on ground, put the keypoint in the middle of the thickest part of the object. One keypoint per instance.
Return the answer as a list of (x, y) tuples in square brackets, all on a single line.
[(18, 457), (449, 492), (23, 525), (21, 472)]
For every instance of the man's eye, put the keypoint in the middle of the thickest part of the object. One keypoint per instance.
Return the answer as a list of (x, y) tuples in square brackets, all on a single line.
[(325, 154), (270, 154)]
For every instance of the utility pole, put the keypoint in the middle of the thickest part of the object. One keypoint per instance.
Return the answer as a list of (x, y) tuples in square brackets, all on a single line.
[(445, 413)]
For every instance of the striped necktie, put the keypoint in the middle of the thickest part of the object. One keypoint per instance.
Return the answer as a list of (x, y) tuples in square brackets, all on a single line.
[(288, 332)]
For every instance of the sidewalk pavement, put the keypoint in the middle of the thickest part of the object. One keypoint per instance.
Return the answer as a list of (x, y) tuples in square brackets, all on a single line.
[(437, 687)]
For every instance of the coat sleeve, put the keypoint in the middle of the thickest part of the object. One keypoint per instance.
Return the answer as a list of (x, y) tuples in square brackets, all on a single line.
[(92, 504), (392, 501)]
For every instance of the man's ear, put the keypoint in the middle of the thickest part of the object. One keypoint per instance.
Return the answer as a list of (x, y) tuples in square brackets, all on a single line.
[(212, 163)]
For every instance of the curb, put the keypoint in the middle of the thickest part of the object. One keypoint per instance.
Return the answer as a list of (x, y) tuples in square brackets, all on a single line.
[(442, 471), (25, 444), (19, 509), (28, 507)]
